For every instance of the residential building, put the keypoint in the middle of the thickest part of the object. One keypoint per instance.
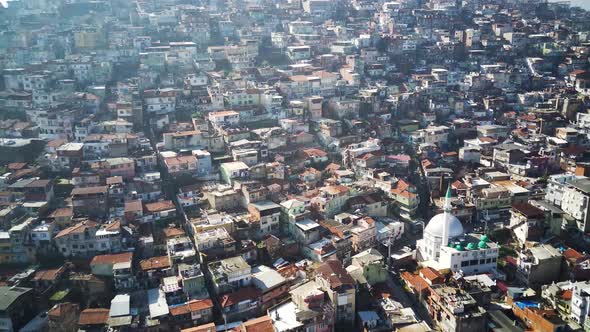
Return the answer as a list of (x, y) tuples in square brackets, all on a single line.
[(266, 214), (230, 274), (340, 287), (455, 310), (16, 307), (539, 265), (90, 201)]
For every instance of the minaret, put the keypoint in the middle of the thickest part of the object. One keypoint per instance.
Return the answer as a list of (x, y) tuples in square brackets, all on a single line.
[(446, 211)]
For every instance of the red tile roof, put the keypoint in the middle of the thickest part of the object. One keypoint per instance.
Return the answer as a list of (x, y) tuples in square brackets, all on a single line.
[(94, 317), (177, 310), (62, 212), (56, 143), (572, 254), (161, 262), (527, 210), (332, 167), (459, 185), (114, 180), (198, 305), (417, 282), (78, 228), (333, 271), (246, 293), (201, 328), (112, 258), (48, 275), (314, 153), (133, 206), (89, 190), (179, 160), (56, 311), (511, 260), (400, 186), (113, 226), (172, 232), (487, 139), (430, 273), (260, 324), (159, 206), (16, 166)]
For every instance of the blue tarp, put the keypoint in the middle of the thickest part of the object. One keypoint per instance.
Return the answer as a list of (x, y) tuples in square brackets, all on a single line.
[(526, 304)]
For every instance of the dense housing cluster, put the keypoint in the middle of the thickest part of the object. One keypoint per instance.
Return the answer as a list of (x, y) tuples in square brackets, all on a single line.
[(294, 165)]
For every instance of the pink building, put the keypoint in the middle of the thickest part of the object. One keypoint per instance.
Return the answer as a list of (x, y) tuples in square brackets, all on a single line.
[(123, 167)]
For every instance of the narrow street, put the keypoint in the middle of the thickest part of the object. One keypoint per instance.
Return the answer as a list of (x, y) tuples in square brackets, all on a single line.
[(407, 300)]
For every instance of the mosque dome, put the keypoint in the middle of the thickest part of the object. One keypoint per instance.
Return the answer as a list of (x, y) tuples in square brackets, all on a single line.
[(471, 246), (482, 245), (436, 225)]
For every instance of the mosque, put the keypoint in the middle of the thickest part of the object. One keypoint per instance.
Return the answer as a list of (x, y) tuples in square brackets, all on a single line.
[(445, 245)]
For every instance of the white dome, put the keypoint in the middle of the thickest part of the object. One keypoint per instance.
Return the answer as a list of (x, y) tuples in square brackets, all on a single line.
[(436, 224)]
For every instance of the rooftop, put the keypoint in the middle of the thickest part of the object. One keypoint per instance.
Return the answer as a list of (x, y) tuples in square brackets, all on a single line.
[(284, 317), (266, 278), (93, 317), (112, 258), (11, 294), (334, 272)]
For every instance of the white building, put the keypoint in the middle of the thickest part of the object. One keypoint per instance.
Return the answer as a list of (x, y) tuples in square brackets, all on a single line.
[(160, 101), (576, 202), (446, 246), (42, 233), (431, 135), (354, 150), (224, 118), (472, 258), (230, 274), (393, 230)]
